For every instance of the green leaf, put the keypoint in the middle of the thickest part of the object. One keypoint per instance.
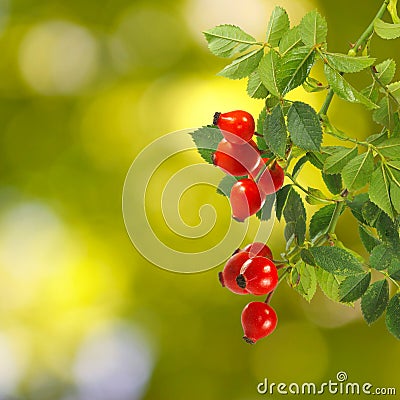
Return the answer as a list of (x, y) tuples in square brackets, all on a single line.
[(290, 40), (382, 256), (357, 173), (348, 64), (344, 90), (392, 8), (228, 40), (207, 139), (384, 114), (374, 301), (304, 126), (315, 197), (267, 70), (299, 165), (295, 217), (385, 71), (265, 214), (321, 219), (393, 316), (356, 206), (242, 66), (260, 126), (339, 159), (255, 88), (394, 269), (371, 92), (368, 240), (281, 198), (387, 230), (379, 191), (337, 261), (328, 283), (313, 28), (394, 89), (353, 287), (390, 148), (307, 285), (278, 24), (395, 195), (386, 30), (275, 134), (225, 186), (377, 138), (333, 182), (312, 85), (294, 68)]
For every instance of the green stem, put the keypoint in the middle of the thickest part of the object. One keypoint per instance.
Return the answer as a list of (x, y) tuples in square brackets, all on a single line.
[(362, 40), (332, 224), (327, 102)]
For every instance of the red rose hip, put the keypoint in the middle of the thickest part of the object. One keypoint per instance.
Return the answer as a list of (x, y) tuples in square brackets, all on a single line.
[(271, 180), (258, 249), (258, 320), (232, 270), (246, 199), (258, 276), (240, 124)]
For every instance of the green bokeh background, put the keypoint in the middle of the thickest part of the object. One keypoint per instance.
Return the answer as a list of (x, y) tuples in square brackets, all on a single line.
[(85, 87)]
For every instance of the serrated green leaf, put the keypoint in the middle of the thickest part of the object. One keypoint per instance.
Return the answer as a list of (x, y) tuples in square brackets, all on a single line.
[(317, 159), (385, 71), (225, 185), (368, 240), (339, 159), (371, 92), (392, 8), (394, 89), (321, 219), (393, 316), (395, 195), (267, 70), (390, 148), (299, 165), (304, 126), (348, 64), (379, 191), (329, 283), (315, 197), (295, 217), (260, 126), (381, 257), (387, 230), (356, 206), (333, 182), (371, 213), (290, 40), (344, 90), (207, 139), (265, 213), (386, 30), (294, 67), (394, 269), (353, 287), (307, 285), (337, 261), (374, 301), (357, 173), (255, 88), (384, 114), (242, 66), (228, 40), (275, 133), (313, 28), (281, 198), (377, 138), (278, 24)]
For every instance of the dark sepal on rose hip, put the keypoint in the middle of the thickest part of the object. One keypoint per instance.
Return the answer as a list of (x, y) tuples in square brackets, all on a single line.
[(216, 118), (241, 281)]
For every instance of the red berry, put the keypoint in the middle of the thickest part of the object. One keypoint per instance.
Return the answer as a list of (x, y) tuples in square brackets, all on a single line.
[(259, 249), (271, 180), (258, 276), (232, 270), (258, 320), (236, 159), (246, 199), (239, 123)]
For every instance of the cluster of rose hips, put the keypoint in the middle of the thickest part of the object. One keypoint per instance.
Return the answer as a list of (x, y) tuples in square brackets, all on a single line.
[(237, 154), (252, 271)]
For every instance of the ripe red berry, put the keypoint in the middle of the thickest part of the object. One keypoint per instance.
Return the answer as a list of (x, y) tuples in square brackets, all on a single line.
[(258, 249), (258, 276), (235, 159), (246, 199), (239, 123), (271, 180), (258, 320), (232, 270)]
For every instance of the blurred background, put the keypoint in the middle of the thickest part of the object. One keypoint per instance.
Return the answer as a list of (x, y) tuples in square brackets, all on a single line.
[(85, 86)]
